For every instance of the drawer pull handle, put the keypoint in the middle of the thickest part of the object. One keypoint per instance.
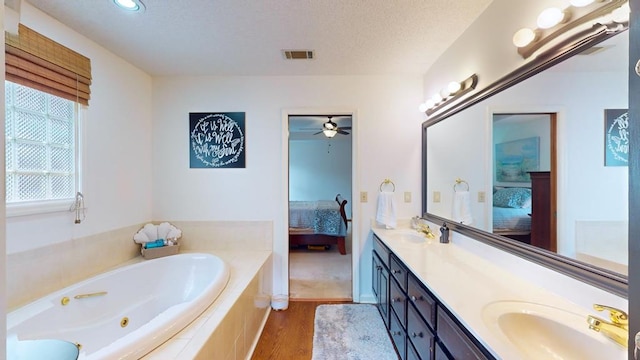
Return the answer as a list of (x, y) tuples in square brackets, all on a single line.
[(396, 333), (419, 298), (393, 300), (378, 267), (417, 335), (396, 271)]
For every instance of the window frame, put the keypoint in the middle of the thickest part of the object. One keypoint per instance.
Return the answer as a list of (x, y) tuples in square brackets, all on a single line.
[(45, 206)]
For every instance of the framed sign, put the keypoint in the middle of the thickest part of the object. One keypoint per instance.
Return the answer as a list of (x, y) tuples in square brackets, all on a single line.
[(616, 137), (216, 140)]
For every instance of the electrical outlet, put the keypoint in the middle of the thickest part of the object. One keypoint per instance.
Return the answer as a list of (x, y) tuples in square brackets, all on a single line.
[(364, 197), (407, 196), (481, 196), (436, 196)]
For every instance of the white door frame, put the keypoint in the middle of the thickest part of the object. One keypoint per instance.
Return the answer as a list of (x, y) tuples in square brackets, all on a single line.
[(282, 247)]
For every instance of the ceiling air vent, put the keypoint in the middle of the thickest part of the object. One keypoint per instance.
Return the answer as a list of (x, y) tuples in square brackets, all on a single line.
[(297, 54)]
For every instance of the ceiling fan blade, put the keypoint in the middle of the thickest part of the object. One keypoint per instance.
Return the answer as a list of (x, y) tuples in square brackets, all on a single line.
[(345, 127), (340, 131), (319, 132)]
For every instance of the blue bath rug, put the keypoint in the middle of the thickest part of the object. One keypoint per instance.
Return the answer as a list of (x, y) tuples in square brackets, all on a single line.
[(350, 332)]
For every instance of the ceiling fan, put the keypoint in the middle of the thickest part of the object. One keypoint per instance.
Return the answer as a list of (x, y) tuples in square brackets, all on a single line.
[(330, 129)]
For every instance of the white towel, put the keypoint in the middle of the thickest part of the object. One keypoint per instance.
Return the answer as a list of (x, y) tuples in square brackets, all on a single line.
[(386, 214), (461, 212)]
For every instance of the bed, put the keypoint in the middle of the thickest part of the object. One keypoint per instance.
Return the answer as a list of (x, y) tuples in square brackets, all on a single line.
[(321, 222), (512, 213)]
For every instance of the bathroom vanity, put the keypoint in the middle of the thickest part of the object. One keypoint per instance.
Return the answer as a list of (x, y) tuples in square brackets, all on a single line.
[(441, 302), (419, 325)]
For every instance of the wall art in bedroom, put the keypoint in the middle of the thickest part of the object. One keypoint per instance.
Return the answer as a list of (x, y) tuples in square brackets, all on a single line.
[(514, 159), (217, 140), (616, 137)]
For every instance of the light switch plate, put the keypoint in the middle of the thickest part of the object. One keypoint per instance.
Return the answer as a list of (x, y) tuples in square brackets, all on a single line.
[(436, 196), (364, 197), (481, 196), (407, 196)]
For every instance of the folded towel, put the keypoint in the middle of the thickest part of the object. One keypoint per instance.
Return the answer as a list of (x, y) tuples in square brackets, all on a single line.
[(386, 214), (461, 212)]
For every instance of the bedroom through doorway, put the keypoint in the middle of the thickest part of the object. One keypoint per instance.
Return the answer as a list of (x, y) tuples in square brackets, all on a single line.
[(320, 199)]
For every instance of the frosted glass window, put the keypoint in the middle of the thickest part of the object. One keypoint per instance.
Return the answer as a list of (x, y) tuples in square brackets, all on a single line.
[(40, 132)]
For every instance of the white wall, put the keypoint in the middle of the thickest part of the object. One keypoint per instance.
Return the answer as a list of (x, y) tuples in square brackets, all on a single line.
[(386, 137), (116, 147), (320, 169)]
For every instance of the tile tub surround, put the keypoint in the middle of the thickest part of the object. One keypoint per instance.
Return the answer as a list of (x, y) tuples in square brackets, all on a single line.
[(465, 282), (66, 263), (230, 327), (35, 273)]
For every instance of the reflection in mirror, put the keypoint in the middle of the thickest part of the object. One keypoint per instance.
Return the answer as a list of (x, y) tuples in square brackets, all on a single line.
[(585, 198)]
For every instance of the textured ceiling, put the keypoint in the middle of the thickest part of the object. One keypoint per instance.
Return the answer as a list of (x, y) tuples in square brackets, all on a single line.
[(245, 37)]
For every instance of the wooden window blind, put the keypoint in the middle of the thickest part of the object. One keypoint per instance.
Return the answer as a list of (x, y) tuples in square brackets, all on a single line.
[(36, 61)]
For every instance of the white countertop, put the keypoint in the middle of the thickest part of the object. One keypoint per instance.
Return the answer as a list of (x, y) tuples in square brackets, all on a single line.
[(465, 283)]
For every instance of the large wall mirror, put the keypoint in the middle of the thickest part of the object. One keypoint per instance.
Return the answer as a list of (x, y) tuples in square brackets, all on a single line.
[(542, 164)]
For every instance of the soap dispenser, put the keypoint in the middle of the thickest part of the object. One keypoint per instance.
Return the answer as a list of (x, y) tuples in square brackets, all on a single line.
[(444, 234)]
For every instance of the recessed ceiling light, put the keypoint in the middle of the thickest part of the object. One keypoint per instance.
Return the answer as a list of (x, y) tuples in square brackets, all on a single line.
[(130, 5)]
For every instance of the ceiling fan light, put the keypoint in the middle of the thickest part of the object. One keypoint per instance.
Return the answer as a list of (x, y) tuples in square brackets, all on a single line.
[(329, 133), (329, 125)]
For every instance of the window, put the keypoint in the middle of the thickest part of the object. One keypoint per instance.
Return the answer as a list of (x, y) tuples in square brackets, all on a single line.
[(41, 145)]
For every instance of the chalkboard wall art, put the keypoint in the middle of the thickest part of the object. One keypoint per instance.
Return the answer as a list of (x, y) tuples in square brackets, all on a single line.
[(216, 140), (616, 137)]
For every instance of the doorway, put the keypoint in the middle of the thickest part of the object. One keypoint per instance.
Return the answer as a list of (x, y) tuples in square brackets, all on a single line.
[(320, 206), (525, 178)]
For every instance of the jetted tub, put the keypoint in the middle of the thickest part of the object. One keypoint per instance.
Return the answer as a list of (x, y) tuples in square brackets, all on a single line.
[(126, 312)]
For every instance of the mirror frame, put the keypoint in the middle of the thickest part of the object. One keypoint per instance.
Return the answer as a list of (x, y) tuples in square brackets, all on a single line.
[(601, 278)]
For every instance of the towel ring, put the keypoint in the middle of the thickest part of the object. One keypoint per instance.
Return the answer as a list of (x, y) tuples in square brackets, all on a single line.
[(386, 182), (459, 182)]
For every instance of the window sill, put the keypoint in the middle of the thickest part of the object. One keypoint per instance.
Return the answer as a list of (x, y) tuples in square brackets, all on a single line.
[(38, 207)]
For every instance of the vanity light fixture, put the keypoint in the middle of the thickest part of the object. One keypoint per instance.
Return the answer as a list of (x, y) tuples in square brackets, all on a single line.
[(130, 5), (563, 25), (452, 91), (551, 17)]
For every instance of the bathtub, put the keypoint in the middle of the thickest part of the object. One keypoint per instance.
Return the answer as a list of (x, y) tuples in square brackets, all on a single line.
[(126, 312)]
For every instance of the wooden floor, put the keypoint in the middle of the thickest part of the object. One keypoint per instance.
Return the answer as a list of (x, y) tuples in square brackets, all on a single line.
[(288, 334)]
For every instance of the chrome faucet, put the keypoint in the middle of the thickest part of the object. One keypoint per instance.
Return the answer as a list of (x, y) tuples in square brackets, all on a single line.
[(617, 330)]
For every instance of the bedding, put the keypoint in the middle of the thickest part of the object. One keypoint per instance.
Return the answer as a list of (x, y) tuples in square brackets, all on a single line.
[(511, 212), (322, 222), (317, 217)]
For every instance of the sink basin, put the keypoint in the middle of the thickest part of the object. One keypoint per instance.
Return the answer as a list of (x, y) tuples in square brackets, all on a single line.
[(411, 237), (544, 332)]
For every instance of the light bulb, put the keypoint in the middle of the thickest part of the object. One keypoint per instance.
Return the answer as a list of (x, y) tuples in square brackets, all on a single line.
[(523, 37), (423, 107), (454, 87), (329, 133), (621, 14), (581, 3), (550, 17), (444, 93), (436, 98), (430, 103)]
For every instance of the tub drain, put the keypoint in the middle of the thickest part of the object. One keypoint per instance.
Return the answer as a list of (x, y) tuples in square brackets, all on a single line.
[(124, 322)]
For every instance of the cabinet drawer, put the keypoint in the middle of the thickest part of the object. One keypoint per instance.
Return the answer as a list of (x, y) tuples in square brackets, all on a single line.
[(424, 302), (419, 333), (398, 336), (412, 354), (459, 345), (398, 271), (398, 302), (440, 353), (382, 250)]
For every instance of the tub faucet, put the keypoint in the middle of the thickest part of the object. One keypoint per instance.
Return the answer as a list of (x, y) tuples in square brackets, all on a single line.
[(617, 330)]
